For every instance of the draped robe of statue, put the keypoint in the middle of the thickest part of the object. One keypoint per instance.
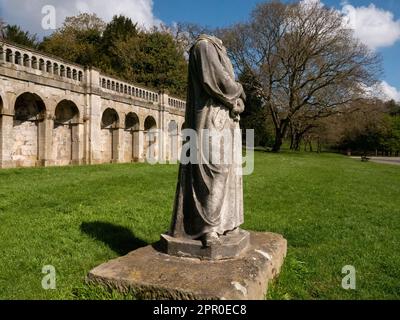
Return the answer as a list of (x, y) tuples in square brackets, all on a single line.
[(209, 196)]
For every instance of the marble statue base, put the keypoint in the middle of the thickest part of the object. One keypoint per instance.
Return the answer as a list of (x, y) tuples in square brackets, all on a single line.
[(151, 274), (229, 246)]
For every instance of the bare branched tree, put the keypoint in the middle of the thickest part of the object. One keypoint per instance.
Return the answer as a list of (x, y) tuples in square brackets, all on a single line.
[(302, 60)]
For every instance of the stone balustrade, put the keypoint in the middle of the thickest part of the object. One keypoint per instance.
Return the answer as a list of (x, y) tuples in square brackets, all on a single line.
[(117, 86), (38, 62)]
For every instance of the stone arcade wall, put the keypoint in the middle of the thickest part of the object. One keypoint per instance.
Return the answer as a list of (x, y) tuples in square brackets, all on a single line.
[(53, 112)]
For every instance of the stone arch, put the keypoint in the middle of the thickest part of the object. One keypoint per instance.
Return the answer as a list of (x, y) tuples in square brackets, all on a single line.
[(41, 65), (55, 69), (109, 135), (49, 66), (66, 133), (69, 74), (26, 60), (9, 55), (28, 130), (150, 138), (34, 63), (17, 57), (131, 137)]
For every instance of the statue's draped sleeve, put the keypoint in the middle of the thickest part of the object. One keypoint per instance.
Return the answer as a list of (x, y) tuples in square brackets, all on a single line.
[(216, 81)]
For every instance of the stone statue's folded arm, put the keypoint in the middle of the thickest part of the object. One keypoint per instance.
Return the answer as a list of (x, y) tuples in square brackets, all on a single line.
[(216, 80)]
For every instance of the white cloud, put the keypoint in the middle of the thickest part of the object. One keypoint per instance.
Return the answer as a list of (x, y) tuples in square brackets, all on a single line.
[(373, 26), (389, 92), (383, 91), (27, 13)]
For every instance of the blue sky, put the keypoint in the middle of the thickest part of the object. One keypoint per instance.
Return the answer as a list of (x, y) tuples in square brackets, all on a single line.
[(225, 12), (376, 22)]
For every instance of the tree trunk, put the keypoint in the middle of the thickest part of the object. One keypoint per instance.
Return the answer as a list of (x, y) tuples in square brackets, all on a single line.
[(278, 141)]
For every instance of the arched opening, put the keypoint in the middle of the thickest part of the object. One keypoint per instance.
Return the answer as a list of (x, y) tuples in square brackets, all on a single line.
[(18, 58), (26, 60), (69, 74), (9, 55), (62, 71), (150, 135), (49, 67), (28, 130), (66, 133), (41, 65), (80, 76), (109, 135), (173, 144), (34, 63), (55, 69), (74, 74), (131, 138)]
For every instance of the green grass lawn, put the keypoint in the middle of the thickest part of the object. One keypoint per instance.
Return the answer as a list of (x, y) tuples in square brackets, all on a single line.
[(333, 211)]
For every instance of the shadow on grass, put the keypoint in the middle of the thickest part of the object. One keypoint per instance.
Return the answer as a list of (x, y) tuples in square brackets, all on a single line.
[(120, 239)]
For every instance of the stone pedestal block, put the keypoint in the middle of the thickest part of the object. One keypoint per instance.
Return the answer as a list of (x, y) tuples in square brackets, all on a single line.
[(151, 274), (230, 246)]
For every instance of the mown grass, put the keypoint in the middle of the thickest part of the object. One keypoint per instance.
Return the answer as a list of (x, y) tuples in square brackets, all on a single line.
[(333, 211)]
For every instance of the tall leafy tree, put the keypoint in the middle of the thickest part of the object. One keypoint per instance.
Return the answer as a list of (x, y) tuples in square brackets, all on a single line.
[(154, 59), (15, 34), (79, 40)]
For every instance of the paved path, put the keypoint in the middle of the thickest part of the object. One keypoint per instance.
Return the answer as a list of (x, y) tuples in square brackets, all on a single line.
[(385, 160)]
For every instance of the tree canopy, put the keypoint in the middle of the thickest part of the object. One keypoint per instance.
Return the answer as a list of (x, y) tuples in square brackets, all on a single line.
[(302, 61), (153, 58)]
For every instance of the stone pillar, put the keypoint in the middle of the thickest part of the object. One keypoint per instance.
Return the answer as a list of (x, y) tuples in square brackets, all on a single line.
[(2, 54), (45, 140), (77, 136), (163, 126), (6, 140), (136, 146), (118, 145), (93, 116), (140, 144)]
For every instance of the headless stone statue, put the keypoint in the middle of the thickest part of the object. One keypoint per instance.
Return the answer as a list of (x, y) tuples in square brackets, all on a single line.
[(209, 197)]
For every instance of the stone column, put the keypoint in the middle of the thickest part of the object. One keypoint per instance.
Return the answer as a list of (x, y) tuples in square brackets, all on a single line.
[(77, 136), (136, 145), (163, 126), (140, 144), (45, 140), (118, 145), (6, 140), (2, 54), (93, 116)]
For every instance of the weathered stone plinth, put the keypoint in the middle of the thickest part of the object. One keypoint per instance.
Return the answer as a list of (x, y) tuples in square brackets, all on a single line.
[(151, 274), (231, 246)]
